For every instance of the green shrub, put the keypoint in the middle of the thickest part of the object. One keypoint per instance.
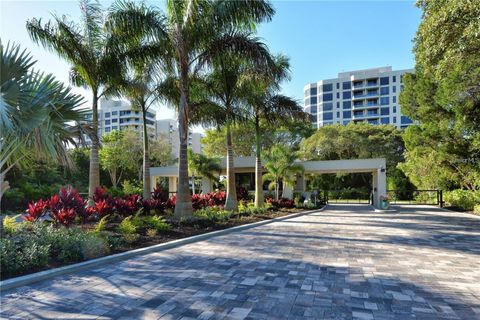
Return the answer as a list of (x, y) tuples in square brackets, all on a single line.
[(18, 257), (127, 226), (250, 209), (152, 233), (213, 214), (132, 187), (92, 246), (10, 224), (101, 225), (476, 209), (157, 223), (463, 199)]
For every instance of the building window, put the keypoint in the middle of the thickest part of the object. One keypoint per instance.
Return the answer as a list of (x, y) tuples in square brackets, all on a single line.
[(314, 109), (338, 95), (384, 101), (394, 89), (328, 116), (107, 122), (327, 97), (401, 78), (328, 106), (338, 114), (347, 104), (313, 100), (394, 79), (347, 94), (406, 120), (114, 120), (384, 111), (114, 128), (347, 114), (338, 85), (107, 129), (394, 109), (384, 81), (384, 120), (347, 85), (327, 87), (107, 114), (114, 113), (394, 99), (338, 104), (122, 120), (384, 91), (394, 119), (346, 122), (313, 91)]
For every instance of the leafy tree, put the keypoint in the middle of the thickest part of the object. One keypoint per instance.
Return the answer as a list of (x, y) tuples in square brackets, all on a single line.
[(113, 156), (281, 166), (243, 137), (160, 152), (443, 94), (198, 31), (91, 52), (201, 165), (357, 141), (39, 116)]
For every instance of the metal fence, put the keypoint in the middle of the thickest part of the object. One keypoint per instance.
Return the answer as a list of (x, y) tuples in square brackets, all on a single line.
[(348, 196), (428, 197)]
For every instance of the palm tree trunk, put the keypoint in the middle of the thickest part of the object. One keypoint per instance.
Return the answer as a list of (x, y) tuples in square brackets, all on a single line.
[(277, 189), (258, 167), (183, 207), (146, 158), (231, 203), (94, 172)]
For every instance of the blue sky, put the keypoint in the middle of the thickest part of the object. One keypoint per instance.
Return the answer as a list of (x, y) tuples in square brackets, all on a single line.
[(321, 38)]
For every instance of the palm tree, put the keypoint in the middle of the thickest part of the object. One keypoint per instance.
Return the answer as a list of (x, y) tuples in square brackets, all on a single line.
[(38, 114), (271, 108), (201, 165), (198, 31), (281, 166), (94, 63)]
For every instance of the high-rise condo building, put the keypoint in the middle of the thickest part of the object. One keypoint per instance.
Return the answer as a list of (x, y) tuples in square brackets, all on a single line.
[(369, 95)]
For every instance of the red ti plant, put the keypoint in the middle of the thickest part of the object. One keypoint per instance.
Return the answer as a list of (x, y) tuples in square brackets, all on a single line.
[(64, 216), (71, 199), (159, 194), (35, 210), (102, 208), (128, 205)]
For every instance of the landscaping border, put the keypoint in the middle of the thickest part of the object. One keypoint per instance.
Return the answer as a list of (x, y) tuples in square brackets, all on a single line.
[(48, 274)]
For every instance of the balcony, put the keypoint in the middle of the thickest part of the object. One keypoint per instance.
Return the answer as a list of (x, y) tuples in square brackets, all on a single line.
[(358, 85), (365, 115)]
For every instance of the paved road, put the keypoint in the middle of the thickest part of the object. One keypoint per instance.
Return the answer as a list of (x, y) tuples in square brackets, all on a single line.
[(346, 262)]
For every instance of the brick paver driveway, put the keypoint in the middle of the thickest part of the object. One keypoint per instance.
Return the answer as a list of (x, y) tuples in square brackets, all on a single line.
[(346, 262)]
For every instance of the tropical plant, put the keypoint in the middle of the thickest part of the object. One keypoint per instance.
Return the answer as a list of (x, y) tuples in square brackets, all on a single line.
[(39, 116), (113, 156), (91, 51), (197, 32), (270, 108), (201, 165), (281, 166)]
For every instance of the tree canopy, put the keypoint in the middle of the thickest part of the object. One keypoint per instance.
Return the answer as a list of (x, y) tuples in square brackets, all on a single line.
[(443, 95)]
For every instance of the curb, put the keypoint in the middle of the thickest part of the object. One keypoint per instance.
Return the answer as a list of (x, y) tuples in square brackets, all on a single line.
[(48, 274)]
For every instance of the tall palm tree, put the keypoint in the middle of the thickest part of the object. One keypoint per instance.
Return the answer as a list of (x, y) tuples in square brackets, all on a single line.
[(281, 166), (269, 107), (94, 63), (38, 114), (197, 32)]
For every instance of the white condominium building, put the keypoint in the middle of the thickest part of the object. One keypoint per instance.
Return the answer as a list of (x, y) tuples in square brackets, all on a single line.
[(369, 95), (119, 115), (169, 129)]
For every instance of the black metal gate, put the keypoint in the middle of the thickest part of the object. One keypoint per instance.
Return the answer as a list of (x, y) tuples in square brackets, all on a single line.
[(428, 197), (348, 196)]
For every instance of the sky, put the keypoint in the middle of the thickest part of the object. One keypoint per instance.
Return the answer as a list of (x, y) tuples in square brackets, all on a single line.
[(321, 38)]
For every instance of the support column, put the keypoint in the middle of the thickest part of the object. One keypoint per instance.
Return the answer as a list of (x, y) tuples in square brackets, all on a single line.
[(153, 182), (301, 185), (375, 189), (207, 185), (287, 191), (172, 184), (379, 179)]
